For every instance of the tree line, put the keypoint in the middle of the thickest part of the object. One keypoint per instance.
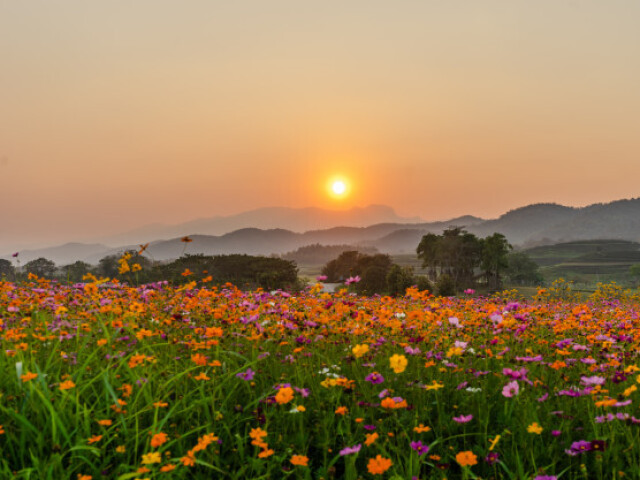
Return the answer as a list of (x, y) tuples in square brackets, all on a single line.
[(453, 261)]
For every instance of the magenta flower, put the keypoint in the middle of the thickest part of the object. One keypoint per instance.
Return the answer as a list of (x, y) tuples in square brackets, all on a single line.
[(492, 458), (511, 389), (420, 447), (375, 378), (15, 254), (246, 375), (350, 450), (463, 419), (321, 278)]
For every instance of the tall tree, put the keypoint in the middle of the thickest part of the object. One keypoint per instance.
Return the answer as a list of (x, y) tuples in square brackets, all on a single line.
[(495, 251)]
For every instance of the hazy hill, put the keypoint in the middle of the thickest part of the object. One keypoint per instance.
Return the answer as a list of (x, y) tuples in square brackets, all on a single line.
[(523, 224), (294, 219), (64, 254)]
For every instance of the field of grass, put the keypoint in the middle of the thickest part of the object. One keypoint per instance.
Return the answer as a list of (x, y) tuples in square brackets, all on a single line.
[(102, 380), (587, 262)]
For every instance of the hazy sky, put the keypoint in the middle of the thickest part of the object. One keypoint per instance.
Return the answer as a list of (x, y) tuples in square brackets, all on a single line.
[(115, 114)]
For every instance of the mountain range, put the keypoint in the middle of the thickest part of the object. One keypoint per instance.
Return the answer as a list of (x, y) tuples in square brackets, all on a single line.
[(280, 230)]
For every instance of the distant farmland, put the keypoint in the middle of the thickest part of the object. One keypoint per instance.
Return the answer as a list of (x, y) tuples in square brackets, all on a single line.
[(587, 261)]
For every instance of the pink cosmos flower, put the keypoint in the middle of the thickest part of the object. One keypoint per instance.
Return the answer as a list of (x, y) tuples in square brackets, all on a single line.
[(511, 389), (463, 419)]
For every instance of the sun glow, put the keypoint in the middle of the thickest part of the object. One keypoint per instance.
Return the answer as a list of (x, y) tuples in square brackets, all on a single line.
[(338, 187)]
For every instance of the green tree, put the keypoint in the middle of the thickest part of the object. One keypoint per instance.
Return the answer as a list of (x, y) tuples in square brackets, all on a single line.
[(372, 270), (634, 271), (456, 253), (75, 271), (495, 251), (399, 279), (522, 270), (7, 271), (343, 267), (41, 267), (428, 251), (108, 266)]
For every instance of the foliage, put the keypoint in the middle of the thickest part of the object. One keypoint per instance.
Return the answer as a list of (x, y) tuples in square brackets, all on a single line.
[(445, 286), (495, 251), (399, 279), (522, 270), (458, 253), (321, 254), (371, 269), (76, 271), (41, 267), (7, 270)]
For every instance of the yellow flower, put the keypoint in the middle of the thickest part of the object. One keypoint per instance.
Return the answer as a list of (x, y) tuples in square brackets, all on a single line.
[(494, 442), (398, 363), (150, 458), (360, 350), (534, 428)]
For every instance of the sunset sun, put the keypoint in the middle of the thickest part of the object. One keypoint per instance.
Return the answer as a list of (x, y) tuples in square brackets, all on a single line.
[(338, 187)]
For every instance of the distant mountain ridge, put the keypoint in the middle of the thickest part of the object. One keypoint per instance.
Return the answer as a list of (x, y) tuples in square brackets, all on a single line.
[(297, 220), (531, 225)]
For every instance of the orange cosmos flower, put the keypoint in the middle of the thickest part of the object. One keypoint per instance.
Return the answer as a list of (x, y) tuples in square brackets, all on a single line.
[(28, 376), (300, 460), (421, 428), (67, 384), (466, 458), (341, 411), (94, 439), (266, 453), (158, 439), (371, 437), (284, 395), (379, 465), (105, 423)]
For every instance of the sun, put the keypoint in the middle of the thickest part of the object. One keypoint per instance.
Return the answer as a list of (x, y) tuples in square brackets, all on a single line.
[(338, 187)]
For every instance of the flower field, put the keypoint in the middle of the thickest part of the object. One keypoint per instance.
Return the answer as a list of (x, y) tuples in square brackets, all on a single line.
[(102, 380)]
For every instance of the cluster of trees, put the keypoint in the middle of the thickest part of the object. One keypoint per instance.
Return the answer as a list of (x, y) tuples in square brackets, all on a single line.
[(244, 271), (458, 259), (317, 254), (377, 273)]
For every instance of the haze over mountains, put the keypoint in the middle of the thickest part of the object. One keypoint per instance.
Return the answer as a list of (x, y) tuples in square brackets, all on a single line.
[(280, 230)]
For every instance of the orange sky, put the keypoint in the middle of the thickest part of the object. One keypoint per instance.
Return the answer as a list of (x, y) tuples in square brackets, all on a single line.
[(116, 114)]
